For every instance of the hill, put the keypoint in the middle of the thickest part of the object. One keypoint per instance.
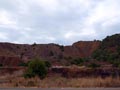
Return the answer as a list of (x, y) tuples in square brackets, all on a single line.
[(109, 50), (56, 54)]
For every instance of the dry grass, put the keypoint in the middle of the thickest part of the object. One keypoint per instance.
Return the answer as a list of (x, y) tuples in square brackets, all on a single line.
[(58, 81)]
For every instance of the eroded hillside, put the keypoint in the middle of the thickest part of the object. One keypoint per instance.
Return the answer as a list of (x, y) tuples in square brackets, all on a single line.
[(51, 52)]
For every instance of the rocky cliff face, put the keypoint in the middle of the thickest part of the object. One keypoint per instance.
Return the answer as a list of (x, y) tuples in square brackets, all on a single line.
[(53, 52), (86, 48)]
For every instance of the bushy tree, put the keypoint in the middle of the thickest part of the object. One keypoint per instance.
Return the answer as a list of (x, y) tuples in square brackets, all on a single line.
[(36, 67)]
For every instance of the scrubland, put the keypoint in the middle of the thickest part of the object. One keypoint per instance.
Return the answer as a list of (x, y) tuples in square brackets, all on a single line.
[(58, 81)]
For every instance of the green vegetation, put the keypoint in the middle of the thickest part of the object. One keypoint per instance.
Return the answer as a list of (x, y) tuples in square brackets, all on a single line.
[(118, 50), (109, 50), (78, 61), (23, 64), (34, 44), (1, 65), (36, 67), (101, 55), (116, 63), (93, 65), (48, 64)]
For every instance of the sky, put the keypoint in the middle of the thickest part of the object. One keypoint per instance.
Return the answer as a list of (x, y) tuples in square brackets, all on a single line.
[(58, 21)]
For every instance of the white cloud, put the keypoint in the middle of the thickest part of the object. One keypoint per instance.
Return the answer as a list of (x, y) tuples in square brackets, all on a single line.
[(104, 11), (5, 18), (111, 21), (3, 36), (100, 18), (23, 7), (84, 33), (48, 6)]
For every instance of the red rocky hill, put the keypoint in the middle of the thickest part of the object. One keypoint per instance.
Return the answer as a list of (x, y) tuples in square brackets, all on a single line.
[(12, 54)]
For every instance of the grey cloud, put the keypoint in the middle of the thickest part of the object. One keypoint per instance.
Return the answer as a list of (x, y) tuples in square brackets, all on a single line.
[(37, 24)]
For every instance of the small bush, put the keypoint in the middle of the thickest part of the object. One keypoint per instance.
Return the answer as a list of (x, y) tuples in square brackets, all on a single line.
[(48, 64), (22, 64), (116, 63), (1, 65), (78, 61), (34, 44), (94, 65), (36, 67)]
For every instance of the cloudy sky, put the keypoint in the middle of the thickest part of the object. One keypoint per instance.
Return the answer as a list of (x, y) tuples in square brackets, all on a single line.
[(58, 21)]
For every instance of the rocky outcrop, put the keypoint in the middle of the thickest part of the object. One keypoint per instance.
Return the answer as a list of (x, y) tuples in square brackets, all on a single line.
[(86, 48), (53, 52)]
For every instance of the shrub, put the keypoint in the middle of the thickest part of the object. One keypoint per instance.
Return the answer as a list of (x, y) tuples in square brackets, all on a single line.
[(78, 61), (109, 49), (94, 65), (48, 64), (115, 63), (36, 67), (118, 50), (23, 64), (34, 44), (1, 65)]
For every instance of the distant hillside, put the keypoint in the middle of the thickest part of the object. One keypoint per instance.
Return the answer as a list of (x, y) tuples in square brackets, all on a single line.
[(109, 50), (57, 54)]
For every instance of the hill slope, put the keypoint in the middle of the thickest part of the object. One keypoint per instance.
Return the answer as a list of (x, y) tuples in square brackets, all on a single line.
[(109, 50), (51, 52)]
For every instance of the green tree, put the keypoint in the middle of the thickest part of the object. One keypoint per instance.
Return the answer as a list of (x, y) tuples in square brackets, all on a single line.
[(36, 67)]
